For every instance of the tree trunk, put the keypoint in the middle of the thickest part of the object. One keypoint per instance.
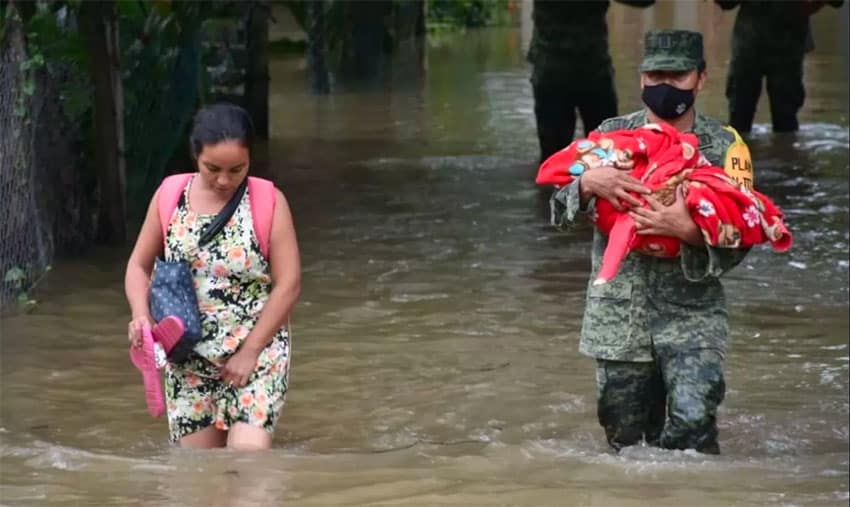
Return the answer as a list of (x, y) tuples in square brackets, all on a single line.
[(60, 182), (257, 68), (408, 48), (26, 245), (366, 43), (316, 29), (99, 28), (383, 43), (15, 157)]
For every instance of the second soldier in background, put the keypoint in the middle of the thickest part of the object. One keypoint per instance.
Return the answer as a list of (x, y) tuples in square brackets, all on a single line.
[(572, 69)]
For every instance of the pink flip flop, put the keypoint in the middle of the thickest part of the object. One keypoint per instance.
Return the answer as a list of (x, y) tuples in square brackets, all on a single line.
[(143, 358), (168, 332)]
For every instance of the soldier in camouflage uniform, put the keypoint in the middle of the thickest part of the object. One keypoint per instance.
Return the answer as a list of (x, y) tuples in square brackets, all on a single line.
[(571, 69), (659, 329), (769, 41)]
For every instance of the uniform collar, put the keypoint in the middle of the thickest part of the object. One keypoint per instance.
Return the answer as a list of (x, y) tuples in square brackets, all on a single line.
[(699, 120)]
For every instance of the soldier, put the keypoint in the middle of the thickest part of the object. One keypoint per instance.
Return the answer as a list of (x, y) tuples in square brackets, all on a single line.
[(659, 329), (571, 69), (769, 41)]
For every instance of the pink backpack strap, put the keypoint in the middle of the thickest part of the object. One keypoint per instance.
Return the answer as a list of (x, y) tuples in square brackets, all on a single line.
[(263, 197), (168, 196)]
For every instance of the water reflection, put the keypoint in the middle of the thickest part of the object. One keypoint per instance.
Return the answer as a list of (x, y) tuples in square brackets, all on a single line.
[(434, 348)]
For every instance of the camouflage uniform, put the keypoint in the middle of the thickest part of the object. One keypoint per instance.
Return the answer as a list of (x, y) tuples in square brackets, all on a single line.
[(769, 41), (659, 329), (571, 69)]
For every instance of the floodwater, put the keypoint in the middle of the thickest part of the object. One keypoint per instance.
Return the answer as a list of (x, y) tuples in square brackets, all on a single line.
[(435, 344)]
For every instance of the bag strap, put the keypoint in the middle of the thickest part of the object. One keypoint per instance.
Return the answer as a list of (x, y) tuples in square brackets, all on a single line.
[(223, 216), (263, 196), (168, 196)]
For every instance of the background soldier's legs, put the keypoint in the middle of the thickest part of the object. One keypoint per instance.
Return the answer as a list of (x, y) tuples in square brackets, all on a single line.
[(695, 388), (597, 103), (554, 109), (743, 88), (629, 396), (786, 93)]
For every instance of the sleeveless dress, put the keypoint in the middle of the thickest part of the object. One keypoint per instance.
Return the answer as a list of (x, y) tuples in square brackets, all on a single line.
[(232, 281)]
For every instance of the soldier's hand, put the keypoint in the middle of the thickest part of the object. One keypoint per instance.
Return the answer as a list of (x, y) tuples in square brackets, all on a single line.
[(674, 221), (613, 185)]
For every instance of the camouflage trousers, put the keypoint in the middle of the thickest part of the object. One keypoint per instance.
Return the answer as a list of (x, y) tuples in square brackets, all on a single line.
[(555, 106), (785, 90), (670, 402)]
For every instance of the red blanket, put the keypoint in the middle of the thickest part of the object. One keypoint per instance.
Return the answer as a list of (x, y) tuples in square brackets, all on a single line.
[(728, 213)]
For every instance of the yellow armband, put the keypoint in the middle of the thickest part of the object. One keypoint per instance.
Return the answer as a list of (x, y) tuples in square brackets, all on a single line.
[(738, 164)]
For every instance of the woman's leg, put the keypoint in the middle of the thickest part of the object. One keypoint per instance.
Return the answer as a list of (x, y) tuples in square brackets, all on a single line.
[(251, 412), (207, 438), (244, 437), (191, 410)]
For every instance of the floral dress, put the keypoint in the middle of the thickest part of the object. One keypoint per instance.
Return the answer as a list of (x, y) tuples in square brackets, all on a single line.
[(232, 282)]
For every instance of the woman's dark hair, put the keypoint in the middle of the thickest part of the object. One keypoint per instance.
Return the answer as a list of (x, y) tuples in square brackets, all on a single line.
[(221, 122)]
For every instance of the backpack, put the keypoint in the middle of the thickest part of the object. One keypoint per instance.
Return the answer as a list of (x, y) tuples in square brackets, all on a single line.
[(261, 193)]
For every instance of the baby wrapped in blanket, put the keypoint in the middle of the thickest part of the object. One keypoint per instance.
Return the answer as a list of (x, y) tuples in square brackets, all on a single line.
[(728, 213)]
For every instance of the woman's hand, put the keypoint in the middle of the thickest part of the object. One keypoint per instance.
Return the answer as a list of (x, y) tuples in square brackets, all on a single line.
[(673, 221), (134, 329), (239, 367), (613, 185)]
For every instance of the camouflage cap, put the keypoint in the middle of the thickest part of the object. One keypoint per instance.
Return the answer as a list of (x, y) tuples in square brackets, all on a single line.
[(671, 50)]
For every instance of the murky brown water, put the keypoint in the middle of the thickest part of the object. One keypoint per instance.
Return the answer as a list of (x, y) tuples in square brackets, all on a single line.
[(435, 357)]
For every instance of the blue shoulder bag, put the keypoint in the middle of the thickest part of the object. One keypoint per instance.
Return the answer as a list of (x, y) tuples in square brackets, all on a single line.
[(173, 288)]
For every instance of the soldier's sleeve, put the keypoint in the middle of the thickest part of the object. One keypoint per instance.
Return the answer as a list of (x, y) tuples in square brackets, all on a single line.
[(612, 124), (565, 205), (700, 262)]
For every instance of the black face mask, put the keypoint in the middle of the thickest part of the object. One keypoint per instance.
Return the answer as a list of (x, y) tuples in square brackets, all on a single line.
[(667, 101)]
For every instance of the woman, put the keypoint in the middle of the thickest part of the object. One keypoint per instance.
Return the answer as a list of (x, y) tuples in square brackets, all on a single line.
[(231, 389)]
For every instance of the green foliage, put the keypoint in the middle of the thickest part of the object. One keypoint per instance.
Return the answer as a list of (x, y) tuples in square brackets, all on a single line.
[(450, 15), (5, 12), (55, 46), (160, 67), (27, 67), (462, 13), (15, 277), (161, 70), (288, 46), (19, 279)]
